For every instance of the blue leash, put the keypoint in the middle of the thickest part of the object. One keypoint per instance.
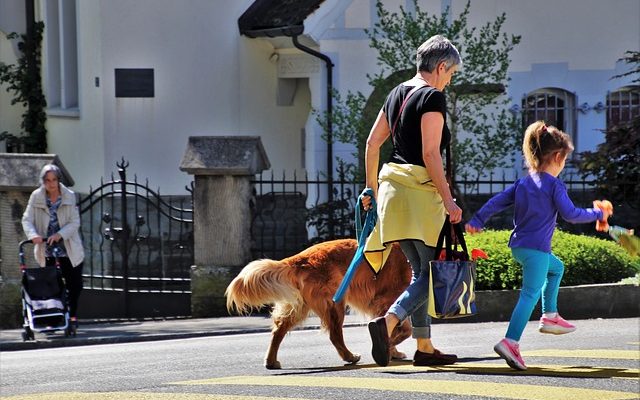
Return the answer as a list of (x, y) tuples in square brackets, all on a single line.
[(362, 233)]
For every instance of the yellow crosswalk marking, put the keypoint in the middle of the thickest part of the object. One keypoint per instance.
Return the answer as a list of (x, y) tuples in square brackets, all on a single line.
[(138, 396), (566, 371), (461, 388), (596, 353)]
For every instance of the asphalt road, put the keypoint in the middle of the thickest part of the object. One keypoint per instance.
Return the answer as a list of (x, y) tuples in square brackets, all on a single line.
[(601, 360)]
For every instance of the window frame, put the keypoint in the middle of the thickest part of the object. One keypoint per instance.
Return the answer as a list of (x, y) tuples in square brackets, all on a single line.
[(632, 104), (569, 116), (61, 45)]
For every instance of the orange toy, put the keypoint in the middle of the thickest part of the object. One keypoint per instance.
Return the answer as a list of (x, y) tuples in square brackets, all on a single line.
[(607, 210)]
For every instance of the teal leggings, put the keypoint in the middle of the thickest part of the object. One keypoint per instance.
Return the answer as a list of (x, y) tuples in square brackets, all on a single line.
[(541, 274)]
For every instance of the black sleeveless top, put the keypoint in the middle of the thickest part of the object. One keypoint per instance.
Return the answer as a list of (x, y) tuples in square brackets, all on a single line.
[(407, 136)]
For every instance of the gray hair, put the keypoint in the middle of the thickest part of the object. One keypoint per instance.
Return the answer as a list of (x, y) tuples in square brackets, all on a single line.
[(50, 168), (435, 50)]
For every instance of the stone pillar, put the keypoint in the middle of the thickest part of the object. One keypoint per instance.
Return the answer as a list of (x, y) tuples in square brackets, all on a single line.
[(223, 167), (19, 175)]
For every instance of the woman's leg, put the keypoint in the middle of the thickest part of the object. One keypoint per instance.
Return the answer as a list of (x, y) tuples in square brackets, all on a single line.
[(413, 301), (73, 280), (552, 285), (535, 265)]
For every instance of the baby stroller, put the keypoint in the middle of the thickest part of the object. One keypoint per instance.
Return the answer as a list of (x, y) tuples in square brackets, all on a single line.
[(44, 299)]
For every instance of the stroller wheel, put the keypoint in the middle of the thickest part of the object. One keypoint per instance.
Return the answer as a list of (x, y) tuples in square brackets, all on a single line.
[(27, 334)]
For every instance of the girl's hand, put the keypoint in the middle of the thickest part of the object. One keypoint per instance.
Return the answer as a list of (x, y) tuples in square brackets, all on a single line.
[(472, 229), (607, 210)]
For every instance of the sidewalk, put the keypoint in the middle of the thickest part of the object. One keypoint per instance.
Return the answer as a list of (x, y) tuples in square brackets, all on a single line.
[(575, 302), (97, 332)]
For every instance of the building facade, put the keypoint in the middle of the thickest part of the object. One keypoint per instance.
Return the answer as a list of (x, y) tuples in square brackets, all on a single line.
[(135, 79)]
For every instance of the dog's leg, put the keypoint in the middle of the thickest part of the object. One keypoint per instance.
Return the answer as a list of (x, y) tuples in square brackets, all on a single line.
[(399, 334), (285, 318), (333, 320)]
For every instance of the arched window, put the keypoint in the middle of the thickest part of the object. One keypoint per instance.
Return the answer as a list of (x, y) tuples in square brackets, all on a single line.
[(554, 106), (623, 105)]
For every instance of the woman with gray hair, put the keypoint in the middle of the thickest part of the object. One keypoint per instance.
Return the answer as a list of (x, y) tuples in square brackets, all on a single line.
[(411, 192), (52, 213)]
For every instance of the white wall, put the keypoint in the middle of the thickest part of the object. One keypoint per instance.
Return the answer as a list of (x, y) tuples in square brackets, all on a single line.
[(208, 81), (79, 141)]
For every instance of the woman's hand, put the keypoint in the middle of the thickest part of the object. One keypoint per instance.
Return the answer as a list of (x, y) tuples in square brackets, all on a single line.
[(53, 239), (455, 212), (36, 240), (367, 203)]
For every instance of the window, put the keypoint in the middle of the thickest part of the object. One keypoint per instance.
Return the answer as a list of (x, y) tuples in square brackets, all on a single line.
[(623, 105), (554, 106), (62, 57)]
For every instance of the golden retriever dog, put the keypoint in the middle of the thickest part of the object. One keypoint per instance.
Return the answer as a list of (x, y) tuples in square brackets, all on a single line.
[(307, 282)]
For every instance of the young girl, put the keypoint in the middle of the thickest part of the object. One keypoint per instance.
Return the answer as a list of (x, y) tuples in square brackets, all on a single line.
[(538, 198)]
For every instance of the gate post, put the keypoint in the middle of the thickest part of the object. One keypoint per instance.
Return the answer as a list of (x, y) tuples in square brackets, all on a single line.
[(223, 167)]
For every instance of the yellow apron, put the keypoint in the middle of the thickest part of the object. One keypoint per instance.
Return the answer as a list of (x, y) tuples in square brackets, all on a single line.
[(409, 207)]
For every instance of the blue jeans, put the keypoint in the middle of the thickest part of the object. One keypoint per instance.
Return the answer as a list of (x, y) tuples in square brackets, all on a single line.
[(413, 301), (541, 275)]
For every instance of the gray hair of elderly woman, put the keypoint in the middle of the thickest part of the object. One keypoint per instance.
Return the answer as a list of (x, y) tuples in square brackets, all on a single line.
[(50, 168), (435, 50)]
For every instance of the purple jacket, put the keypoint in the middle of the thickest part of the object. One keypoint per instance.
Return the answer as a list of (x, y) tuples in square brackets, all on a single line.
[(538, 199)]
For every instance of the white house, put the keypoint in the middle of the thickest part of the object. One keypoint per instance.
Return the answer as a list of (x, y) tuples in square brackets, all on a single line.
[(135, 79)]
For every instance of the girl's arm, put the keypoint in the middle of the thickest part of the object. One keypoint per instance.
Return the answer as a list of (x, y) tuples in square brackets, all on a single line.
[(568, 211), (496, 204)]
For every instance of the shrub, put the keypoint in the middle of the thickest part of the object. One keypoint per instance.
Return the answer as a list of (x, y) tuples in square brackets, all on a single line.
[(587, 260)]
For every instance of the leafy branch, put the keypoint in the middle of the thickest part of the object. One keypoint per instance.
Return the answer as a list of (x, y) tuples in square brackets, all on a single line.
[(23, 79)]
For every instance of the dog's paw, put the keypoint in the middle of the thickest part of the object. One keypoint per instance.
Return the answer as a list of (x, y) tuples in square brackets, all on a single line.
[(397, 355), (272, 365), (353, 359)]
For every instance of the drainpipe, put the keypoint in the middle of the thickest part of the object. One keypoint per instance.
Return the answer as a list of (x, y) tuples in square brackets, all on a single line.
[(329, 64)]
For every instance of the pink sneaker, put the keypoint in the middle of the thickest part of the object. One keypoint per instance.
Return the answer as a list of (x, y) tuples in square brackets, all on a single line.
[(556, 326), (511, 353)]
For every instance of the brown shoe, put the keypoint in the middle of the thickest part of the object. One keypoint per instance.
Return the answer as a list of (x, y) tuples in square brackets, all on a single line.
[(421, 359), (380, 340)]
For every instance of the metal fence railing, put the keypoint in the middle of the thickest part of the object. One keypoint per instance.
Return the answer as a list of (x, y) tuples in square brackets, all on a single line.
[(289, 213)]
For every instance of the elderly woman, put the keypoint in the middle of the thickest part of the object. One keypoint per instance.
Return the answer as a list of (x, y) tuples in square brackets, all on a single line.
[(413, 196), (52, 213)]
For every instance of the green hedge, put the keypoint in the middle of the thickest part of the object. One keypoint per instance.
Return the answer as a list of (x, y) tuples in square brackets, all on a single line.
[(587, 260)]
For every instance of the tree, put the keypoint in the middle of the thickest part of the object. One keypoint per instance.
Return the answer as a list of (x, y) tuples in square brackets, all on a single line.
[(476, 104), (616, 162), (24, 80)]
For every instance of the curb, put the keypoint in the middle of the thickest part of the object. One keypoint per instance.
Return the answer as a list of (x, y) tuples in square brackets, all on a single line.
[(574, 302)]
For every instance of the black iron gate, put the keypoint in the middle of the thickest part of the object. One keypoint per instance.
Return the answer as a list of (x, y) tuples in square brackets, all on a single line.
[(138, 250)]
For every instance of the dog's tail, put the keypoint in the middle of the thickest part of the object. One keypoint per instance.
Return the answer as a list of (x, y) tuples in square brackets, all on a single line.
[(259, 283)]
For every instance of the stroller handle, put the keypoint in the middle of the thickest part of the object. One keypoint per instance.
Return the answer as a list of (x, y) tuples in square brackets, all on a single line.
[(23, 265)]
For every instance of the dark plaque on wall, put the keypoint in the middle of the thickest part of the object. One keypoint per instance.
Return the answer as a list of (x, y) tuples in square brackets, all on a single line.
[(134, 82)]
